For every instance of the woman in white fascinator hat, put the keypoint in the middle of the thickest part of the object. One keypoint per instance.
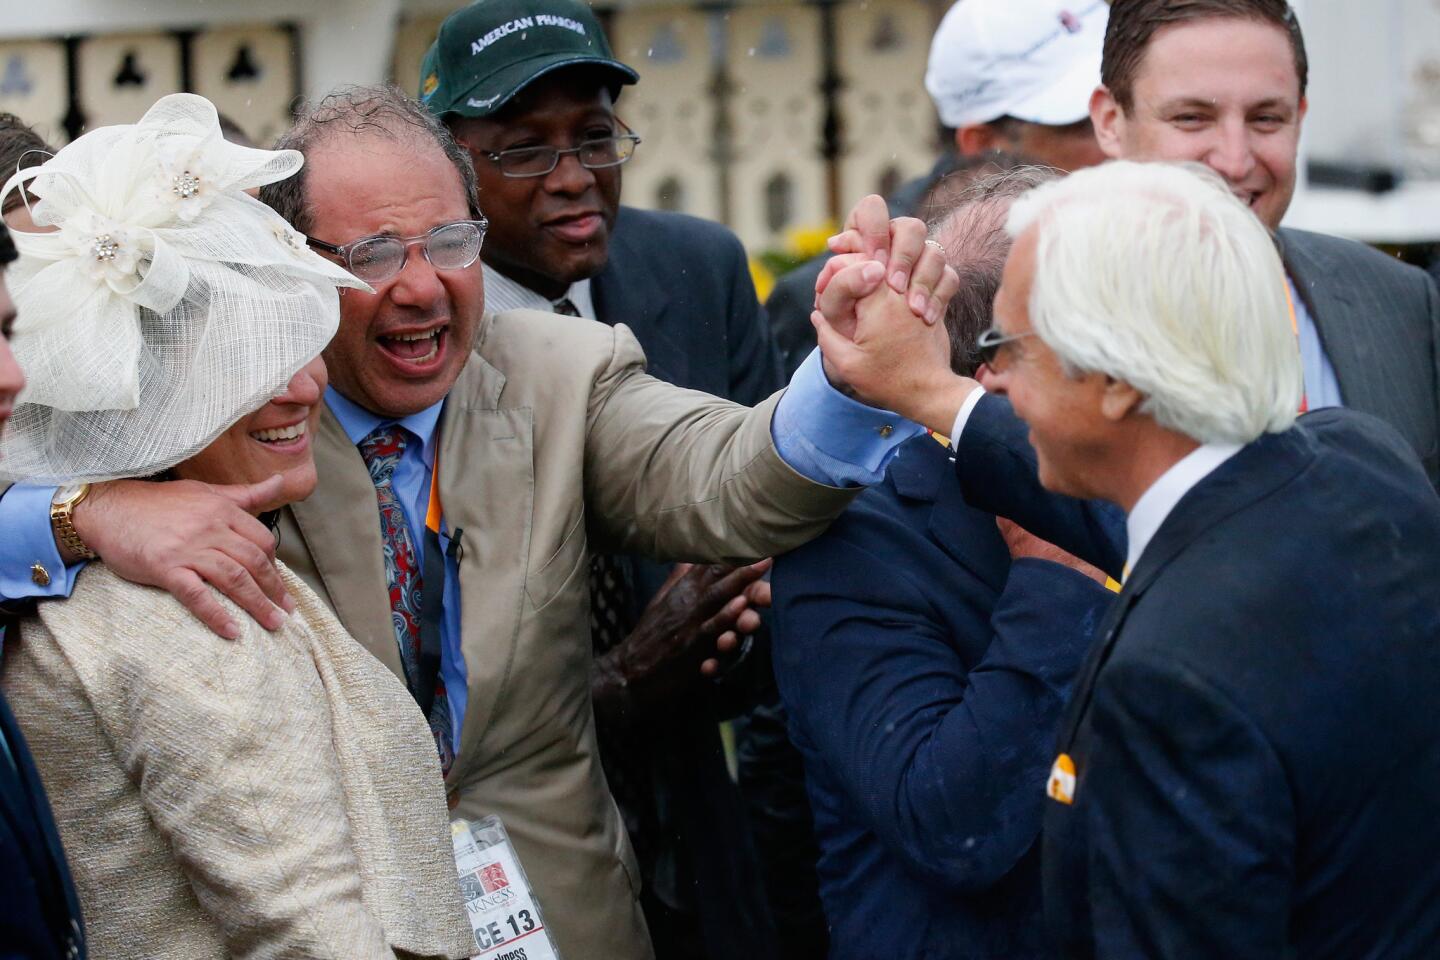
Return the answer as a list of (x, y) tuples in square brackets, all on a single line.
[(278, 795)]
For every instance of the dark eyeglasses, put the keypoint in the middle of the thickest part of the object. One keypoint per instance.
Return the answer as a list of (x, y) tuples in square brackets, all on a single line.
[(988, 344), (450, 246), (594, 154)]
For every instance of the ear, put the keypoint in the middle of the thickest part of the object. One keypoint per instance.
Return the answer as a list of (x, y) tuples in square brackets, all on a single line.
[(1108, 120), (1304, 106), (976, 139), (1118, 400)]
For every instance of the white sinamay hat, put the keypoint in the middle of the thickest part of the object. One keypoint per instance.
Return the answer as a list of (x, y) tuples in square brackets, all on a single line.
[(165, 306)]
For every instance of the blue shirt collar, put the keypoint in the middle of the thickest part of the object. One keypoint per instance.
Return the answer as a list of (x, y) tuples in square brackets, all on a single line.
[(357, 422)]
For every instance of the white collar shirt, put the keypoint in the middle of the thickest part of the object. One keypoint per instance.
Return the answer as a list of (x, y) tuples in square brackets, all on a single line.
[(1157, 502), (502, 293)]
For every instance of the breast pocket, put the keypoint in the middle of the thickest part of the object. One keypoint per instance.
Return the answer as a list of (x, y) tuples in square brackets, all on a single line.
[(561, 571)]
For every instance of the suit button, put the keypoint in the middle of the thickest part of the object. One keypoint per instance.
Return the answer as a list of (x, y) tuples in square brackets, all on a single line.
[(39, 575)]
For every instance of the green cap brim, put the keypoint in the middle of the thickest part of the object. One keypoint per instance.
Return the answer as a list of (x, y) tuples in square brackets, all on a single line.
[(498, 89)]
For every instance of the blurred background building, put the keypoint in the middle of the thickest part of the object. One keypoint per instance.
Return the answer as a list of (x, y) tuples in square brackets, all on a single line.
[(769, 116)]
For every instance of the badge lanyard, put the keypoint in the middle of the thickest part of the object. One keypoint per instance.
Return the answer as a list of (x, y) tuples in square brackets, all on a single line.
[(1295, 329), (432, 604)]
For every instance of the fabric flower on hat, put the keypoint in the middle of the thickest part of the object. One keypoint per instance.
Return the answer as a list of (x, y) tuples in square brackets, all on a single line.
[(187, 178)]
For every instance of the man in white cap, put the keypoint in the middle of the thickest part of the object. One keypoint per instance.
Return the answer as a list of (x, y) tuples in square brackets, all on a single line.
[(1006, 76)]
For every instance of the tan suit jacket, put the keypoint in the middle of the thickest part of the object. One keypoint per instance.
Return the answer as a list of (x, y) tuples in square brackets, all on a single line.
[(274, 796), (552, 439)]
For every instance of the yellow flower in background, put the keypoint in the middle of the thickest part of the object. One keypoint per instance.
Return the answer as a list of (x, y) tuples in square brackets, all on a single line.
[(763, 279), (806, 242)]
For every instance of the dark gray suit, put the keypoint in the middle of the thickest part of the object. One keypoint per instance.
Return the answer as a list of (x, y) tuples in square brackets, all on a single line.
[(1379, 320)]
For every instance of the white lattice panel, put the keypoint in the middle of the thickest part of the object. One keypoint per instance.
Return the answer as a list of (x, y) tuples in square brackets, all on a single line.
[(887, 120), (671, 108), (34, 88), (777, 178), (412, 39), (122, 75), (249, 74)]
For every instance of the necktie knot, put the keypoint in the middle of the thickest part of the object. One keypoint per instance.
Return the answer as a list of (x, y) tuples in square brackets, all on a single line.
[(382, 449), (566, 307)]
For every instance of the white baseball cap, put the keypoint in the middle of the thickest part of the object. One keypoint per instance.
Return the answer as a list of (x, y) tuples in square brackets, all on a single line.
[(1035, 60)]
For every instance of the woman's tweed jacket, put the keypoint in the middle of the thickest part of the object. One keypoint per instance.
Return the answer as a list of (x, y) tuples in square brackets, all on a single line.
[(275, 796)]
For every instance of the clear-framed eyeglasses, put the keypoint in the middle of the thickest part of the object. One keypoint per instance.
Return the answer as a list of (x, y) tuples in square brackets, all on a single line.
[(988, 344), (594, 154), (450, 246)]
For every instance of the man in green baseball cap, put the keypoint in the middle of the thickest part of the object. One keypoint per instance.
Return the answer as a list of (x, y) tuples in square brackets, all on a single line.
[(488, 52), (528, 88)]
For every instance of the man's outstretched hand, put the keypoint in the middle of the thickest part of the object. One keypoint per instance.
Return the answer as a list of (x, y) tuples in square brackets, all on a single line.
[(186, 537), (697, 618)]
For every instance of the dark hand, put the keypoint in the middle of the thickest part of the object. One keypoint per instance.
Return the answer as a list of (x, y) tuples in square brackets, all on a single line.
[(698, 616), (182, 535)]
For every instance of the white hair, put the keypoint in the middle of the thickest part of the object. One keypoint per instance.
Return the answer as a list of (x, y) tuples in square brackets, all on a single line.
[(1154, 274)]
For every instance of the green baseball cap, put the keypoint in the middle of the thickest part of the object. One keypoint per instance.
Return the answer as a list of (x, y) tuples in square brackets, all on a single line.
[(489, 51)]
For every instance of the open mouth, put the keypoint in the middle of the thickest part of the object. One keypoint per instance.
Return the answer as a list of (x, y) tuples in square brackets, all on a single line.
[(282, 437), (415, 348)]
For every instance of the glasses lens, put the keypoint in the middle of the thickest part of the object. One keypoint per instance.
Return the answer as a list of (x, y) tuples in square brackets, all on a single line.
[(610, 152), (527, 161), (454, 246), (377, 259)]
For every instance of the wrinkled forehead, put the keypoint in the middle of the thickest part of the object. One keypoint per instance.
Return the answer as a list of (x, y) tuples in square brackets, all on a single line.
[(364, 182)]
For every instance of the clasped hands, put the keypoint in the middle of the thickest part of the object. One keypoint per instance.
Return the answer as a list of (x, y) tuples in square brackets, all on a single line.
[(879, 303)]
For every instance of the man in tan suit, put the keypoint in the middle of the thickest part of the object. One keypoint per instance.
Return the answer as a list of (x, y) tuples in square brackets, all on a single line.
[(546, 437)]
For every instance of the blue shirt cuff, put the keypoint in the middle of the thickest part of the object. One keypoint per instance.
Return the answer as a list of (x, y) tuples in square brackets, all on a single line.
[(28, 544), (827, 437)]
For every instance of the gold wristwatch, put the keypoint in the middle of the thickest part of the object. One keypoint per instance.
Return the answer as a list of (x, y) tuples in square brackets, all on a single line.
[(62, 511)]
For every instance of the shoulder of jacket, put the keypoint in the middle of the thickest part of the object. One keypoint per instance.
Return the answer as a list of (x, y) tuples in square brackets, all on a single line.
[(671, 232), (1350, 252)]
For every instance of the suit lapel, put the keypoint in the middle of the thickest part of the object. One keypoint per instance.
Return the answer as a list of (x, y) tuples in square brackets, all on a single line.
[(1251, 475), (341, 528), (628, 292), (487, 488)]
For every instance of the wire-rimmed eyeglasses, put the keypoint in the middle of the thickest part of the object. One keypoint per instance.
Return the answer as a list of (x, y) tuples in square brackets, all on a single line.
[(595, 154), (450, 246), (988, 344)]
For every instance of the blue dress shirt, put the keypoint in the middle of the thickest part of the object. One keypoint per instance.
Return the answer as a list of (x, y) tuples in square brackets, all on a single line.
[(822, 434), (412, 487), (1322, 388)]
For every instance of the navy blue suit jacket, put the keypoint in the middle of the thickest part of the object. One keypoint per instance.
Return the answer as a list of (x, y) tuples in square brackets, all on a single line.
[(39, 913), (683, 286), (1256, 743), (924, 675)]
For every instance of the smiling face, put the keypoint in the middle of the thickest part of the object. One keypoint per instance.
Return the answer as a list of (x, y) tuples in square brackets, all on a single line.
[(1223, 92), (1071, 436), (274, 439), (399, 349), (547, 232), (12, 381)]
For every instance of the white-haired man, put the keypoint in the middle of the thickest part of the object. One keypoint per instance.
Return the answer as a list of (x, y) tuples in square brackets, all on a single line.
[(1243, 770)]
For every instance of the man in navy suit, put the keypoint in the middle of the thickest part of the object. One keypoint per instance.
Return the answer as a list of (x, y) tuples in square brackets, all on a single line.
[(924, 657), (39, 913), (560, 241), (1247, 767)]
